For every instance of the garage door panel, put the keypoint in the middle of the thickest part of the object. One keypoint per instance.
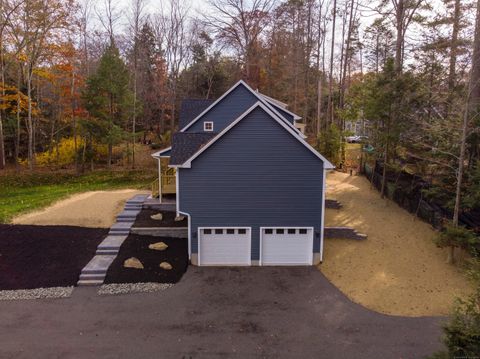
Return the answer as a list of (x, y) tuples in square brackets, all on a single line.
[(225, 246), (287, 246)]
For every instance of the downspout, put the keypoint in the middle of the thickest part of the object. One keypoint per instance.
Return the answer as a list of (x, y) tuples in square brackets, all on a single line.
[(159, 180), (322, 228), (189, 233)]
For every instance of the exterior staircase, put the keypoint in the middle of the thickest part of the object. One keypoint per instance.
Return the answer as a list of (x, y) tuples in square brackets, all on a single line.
[(95, 271)]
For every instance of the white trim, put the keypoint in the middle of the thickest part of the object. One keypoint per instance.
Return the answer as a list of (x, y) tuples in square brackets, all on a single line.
[(322, 225), (256, 94), (294, 115), (274, 227), (189, 233), (274, 100), (177, 194), (205, 123), (188, 163), (211, 106), (249, 229), (159, 153)]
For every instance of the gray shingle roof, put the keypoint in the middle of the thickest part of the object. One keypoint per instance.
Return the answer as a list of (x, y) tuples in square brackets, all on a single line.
[(191, 108), (185, 145)]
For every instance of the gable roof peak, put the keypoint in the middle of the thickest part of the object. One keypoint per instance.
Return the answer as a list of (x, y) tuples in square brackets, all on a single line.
[(259, 104)]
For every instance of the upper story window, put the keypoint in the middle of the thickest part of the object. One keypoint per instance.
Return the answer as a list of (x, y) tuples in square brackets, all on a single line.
[(208, 126)]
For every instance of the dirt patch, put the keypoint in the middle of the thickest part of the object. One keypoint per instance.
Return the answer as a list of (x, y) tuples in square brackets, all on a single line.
[(45, 256), (144, 219), (95, 209), (137, 246), (397, 270)]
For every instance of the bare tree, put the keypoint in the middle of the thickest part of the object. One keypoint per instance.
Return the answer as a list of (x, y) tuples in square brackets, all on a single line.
[(137, 19), (172, 37), (239, 24), (7, 8), (109, 17), (330, 73), (36, 23)]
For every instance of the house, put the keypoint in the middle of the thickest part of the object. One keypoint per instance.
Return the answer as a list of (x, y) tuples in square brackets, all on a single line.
[(252, 188)]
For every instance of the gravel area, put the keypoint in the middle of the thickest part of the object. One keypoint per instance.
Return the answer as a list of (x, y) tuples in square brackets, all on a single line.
[(95, 209), (398, 270), (124, 288), (38, 293)]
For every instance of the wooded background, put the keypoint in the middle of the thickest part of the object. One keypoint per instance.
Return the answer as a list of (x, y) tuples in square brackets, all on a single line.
[(83, 83)]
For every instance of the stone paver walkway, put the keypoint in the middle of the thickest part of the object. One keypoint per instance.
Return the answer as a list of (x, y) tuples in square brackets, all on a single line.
[(95, 271)]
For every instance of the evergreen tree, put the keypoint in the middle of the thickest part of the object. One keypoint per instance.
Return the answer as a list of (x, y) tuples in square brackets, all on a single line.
[(107, 97)]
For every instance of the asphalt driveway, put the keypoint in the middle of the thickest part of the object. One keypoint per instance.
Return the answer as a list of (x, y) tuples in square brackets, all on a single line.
[(264, 312)]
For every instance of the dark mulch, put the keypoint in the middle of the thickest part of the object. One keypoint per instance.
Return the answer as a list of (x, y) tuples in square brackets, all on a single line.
[(143, 219), (45, 256), (137, 246)]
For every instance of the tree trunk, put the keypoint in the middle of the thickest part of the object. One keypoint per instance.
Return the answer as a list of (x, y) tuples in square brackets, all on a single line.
[(400, 14), (74, 122), (471, 109), (17, 137), (330, 79), (110, 129), (29, 118), (2, 74), (384, 174), (454, 47)]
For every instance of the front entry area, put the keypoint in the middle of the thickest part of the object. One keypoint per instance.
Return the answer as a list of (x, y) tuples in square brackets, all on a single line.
[(286, 246), (224, 246)]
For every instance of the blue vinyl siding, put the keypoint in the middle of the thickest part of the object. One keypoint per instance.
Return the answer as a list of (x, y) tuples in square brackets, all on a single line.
[(256, 175), (227, 110)]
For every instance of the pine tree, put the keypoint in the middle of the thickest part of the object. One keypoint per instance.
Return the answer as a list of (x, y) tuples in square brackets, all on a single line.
[(107, 96)]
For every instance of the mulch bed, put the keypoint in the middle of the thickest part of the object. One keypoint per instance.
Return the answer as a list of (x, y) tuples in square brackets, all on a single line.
[(45, 256), (143, 219), (137, 246)]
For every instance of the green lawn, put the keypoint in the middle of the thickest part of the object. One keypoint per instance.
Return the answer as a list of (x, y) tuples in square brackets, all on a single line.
[(24, 192)]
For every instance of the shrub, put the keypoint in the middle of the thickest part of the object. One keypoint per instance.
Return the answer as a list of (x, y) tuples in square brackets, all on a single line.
[(329, 143), (459, 237), (61, 155)]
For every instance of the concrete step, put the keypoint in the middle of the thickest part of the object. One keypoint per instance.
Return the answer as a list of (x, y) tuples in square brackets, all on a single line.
[(119, 233), (86, 282), (98, 264), (112, 242), (93, 276), (106, 252), (122, 228), (133, 207), (126, 219), (174, 232)]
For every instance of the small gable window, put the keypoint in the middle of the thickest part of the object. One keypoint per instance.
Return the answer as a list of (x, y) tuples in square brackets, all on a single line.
[(208, 126)]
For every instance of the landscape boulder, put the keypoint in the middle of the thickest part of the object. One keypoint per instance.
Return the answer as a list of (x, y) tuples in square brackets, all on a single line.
[(166, 265), (157, 217), (158, 246), (133, 263)]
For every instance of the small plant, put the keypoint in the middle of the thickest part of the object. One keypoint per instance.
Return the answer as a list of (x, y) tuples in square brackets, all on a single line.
[(462, 332), (456, 237)]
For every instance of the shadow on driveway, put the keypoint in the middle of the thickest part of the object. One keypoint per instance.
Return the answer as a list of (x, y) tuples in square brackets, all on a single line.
[(268, 312)]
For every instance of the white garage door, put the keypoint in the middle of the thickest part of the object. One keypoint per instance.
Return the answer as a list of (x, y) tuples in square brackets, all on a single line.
[(224, 246), (286, 246)]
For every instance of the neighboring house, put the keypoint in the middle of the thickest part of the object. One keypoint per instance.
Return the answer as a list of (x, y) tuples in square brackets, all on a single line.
[(252, 187), (358, 127)]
